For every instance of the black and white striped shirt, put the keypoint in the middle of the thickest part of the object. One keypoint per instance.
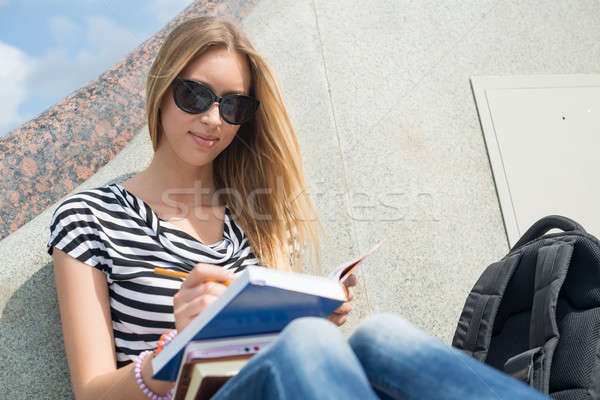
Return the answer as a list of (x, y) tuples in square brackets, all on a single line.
[(116, 232)]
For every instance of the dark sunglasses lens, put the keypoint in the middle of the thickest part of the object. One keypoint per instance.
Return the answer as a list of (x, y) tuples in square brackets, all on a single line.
[(237, 109), (192, 97)]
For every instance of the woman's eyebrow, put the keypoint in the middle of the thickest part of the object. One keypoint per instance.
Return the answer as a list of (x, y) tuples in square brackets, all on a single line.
[(232, 91)]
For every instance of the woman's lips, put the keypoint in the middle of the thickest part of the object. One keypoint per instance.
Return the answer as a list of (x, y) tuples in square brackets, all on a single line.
[(203, 141)]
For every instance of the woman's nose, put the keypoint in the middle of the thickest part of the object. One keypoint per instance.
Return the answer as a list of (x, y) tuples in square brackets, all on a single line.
[(212, 116)]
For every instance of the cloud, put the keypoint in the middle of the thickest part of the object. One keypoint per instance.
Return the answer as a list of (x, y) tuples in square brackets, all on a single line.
[(15, 68), (110, 38), (58, 73), (63, 29), (165, 10), (30, 85)]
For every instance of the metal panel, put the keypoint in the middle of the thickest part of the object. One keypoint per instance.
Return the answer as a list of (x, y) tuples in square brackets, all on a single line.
[(542, 135)]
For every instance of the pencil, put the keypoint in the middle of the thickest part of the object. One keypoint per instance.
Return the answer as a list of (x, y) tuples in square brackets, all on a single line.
[(178, 274)]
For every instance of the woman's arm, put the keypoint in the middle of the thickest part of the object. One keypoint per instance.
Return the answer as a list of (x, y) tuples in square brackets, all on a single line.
[(88, 337)]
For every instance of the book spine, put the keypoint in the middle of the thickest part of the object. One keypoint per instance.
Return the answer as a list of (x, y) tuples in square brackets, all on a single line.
[(184, 382)]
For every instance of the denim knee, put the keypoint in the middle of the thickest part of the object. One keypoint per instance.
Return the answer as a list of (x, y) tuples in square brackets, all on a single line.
[(315, 336), (310, 331), (381, 331), (311, 359)]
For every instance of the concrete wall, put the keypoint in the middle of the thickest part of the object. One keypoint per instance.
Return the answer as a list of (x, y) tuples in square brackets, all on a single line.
[(379, 91)]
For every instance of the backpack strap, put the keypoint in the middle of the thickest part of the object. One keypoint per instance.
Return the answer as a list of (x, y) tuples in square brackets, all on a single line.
[(533, 366), (545, 224), (474, 330)]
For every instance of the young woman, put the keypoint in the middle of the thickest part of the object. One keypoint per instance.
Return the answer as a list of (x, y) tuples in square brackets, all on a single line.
[(223, 191)]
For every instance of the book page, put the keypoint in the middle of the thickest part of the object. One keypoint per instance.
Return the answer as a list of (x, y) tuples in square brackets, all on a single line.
[(344, 270)]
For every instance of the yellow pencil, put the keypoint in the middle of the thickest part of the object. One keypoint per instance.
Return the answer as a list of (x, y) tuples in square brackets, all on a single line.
[(178, 274)]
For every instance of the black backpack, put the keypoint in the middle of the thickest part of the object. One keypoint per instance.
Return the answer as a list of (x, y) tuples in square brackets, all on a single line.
[(535, 314)]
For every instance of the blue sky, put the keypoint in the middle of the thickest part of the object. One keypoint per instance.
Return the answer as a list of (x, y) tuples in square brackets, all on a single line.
[(50, 48)]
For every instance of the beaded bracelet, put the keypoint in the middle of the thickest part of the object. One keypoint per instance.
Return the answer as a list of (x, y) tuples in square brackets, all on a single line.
[(140, 380), (164, 340)]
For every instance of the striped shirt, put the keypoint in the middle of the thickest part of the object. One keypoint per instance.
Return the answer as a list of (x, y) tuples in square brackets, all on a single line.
[(116, 232)]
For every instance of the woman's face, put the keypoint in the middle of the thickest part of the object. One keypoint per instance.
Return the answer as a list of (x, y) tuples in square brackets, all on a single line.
[(188, 135)]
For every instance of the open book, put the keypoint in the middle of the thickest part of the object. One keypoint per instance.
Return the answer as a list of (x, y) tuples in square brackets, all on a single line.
[(345, 270), (259, 301)]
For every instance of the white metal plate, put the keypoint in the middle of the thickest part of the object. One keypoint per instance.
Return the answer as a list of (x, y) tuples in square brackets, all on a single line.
[(543, 139)]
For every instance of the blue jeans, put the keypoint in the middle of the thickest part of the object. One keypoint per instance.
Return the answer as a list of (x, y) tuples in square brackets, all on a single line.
[(386, 358)]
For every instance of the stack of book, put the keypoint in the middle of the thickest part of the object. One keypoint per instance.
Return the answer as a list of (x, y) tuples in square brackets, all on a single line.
[(208, 364), (244, 320)]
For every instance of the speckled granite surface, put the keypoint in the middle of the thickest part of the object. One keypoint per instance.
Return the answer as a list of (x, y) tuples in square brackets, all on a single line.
[(49, 156)]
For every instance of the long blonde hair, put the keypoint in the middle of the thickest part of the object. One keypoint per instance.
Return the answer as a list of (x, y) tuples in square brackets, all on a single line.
[(264, 155)]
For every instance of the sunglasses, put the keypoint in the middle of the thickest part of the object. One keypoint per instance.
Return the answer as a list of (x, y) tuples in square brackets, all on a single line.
[(195, 98)]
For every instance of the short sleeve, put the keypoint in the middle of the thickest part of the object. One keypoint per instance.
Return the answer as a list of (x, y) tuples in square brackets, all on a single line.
[(74, 230)]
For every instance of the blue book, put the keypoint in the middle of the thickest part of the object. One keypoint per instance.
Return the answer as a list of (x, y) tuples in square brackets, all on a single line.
[(259, 301)]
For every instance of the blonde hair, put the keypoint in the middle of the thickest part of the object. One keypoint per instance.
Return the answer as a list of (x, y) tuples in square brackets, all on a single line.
[(265, 149)]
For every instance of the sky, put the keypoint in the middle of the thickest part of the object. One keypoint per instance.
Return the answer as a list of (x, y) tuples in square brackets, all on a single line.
[(51, 48)]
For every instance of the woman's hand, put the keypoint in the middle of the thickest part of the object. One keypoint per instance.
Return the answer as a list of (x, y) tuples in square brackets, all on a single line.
[(340, 315), (196, 293)]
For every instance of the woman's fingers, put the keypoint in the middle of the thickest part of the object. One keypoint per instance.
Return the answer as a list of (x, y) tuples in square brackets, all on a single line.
[(343, 309), (186, 295), (198, 305), (350, 294), (339, 320), (188, 311), (351, 280), (203, 271), (198, 291)]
